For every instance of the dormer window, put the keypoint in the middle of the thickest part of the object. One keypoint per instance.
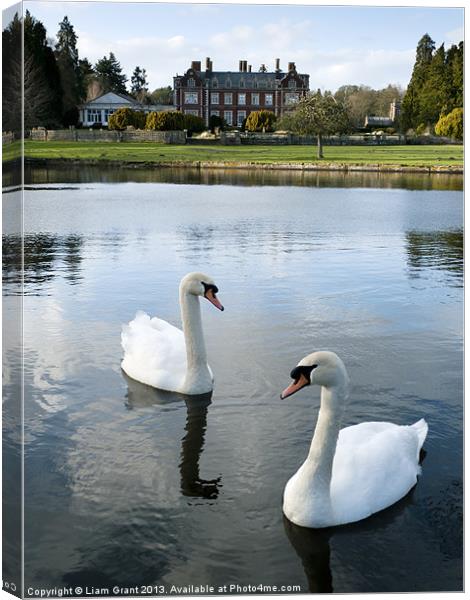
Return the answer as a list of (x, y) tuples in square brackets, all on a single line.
[(242, 83), (292, 84), (228, 82), (191, 82)]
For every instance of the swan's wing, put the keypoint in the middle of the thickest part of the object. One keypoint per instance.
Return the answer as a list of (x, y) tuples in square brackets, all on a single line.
[(375, 465), (154, 352)]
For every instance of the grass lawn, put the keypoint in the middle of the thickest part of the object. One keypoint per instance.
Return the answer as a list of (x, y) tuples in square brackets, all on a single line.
[(152, 152)]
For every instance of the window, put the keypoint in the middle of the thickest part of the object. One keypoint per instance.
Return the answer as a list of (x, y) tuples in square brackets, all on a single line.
[(242, 99), (240, 117), (107, 113), (189, 111), (242, 83), (215, 98), (291, 98), (190, 97), (228, 82), (228, 117), (292, 84), (191, 82), (215, 83), (268, 99), (255, 99), (215, 113), (94, 115), (228, 98)]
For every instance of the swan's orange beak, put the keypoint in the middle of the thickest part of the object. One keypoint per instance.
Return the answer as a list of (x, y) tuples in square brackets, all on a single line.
[(301, 382), (213, 299)]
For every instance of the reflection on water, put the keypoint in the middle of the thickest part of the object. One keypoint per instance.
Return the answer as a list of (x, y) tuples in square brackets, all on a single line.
[(442, 250), (192, 443), (41, 257), (123, 482), (35, 175)]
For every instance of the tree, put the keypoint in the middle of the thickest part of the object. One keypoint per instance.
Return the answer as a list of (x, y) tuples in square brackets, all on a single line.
[(194, 124), (11, 75), (410, 107), (435, 91), (44, 71), (139, 83), (109, 74), (317, 114), (66, 54), (162, 95), (260, 120), (451, 125)]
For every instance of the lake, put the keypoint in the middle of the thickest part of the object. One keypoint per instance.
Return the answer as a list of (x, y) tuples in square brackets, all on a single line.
[(129, 486)]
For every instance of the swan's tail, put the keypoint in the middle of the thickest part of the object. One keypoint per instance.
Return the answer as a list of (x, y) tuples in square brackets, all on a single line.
[(421, 428)]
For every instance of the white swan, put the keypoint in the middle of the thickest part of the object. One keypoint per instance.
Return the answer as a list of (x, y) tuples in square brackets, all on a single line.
[(161, 355), (354, 472)]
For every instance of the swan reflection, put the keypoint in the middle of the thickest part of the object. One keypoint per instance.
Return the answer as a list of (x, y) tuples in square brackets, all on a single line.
[(313, 545), (193, 485)]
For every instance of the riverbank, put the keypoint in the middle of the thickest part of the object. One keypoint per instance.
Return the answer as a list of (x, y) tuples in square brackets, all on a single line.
[(441, 159)]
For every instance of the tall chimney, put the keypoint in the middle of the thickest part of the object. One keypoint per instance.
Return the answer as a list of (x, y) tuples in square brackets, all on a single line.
[(278, 63), (208, 64), (240, 65), (196, 65), (245, 66), (291, 66), (249, 68)]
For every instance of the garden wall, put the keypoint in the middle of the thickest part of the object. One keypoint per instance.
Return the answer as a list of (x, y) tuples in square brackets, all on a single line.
[(103, 135)]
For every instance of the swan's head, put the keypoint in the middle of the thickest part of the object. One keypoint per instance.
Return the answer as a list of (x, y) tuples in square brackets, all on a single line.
[(319, 368), (199, 284)]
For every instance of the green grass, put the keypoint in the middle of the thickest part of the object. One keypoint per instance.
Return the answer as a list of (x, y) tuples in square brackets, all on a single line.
[(154, 153), (11, 151)]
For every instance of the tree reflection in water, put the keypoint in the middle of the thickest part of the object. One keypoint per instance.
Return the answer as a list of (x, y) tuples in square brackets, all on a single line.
[(440, 250)]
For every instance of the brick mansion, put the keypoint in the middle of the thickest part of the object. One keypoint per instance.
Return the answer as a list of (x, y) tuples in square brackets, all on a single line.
[(232, 95)]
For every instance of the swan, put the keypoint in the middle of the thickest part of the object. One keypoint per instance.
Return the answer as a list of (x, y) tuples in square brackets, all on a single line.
[(351, 473), (161, 355)]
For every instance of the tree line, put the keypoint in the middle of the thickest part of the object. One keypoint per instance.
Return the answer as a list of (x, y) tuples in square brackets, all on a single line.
[(57, 80)]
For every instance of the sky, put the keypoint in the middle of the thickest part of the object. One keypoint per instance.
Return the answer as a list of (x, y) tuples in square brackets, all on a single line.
[(335, 45)]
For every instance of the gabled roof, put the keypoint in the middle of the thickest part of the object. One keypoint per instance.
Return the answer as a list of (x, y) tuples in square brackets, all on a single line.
[(112, 98)]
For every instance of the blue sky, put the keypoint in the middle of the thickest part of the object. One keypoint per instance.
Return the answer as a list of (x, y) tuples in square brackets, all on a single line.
[(336, 45)]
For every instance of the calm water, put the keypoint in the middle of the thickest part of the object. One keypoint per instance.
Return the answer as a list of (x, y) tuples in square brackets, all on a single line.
[(126, 485)]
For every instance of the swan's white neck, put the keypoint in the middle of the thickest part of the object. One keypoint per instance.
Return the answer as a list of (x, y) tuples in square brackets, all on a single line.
[(308, 491), (198, 378), (319, 463)]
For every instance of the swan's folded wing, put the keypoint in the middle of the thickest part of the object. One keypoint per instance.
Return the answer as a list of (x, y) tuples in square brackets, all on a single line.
[(154, 352), (375, 465)]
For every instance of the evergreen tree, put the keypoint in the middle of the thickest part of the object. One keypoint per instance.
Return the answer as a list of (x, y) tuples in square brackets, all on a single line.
[(109, 75), (11, 76), (139, 86), (410, 105), (66, 54), (454, 62), (435, 92), (44, 72)]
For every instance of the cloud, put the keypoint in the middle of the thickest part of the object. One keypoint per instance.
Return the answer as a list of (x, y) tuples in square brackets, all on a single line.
[(163, 57), (455, 36)]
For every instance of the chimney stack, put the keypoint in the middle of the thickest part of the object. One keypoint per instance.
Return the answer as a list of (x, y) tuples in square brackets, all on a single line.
[(249, 68), (278, 63), (196, 65), (240, 65), (291, 66), (208, 64)]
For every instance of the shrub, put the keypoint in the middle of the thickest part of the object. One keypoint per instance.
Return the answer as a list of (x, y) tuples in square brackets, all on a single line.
[(451, 125), (260, 120), (125, 117), (216, 121), (194, 124), (171, 120)]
